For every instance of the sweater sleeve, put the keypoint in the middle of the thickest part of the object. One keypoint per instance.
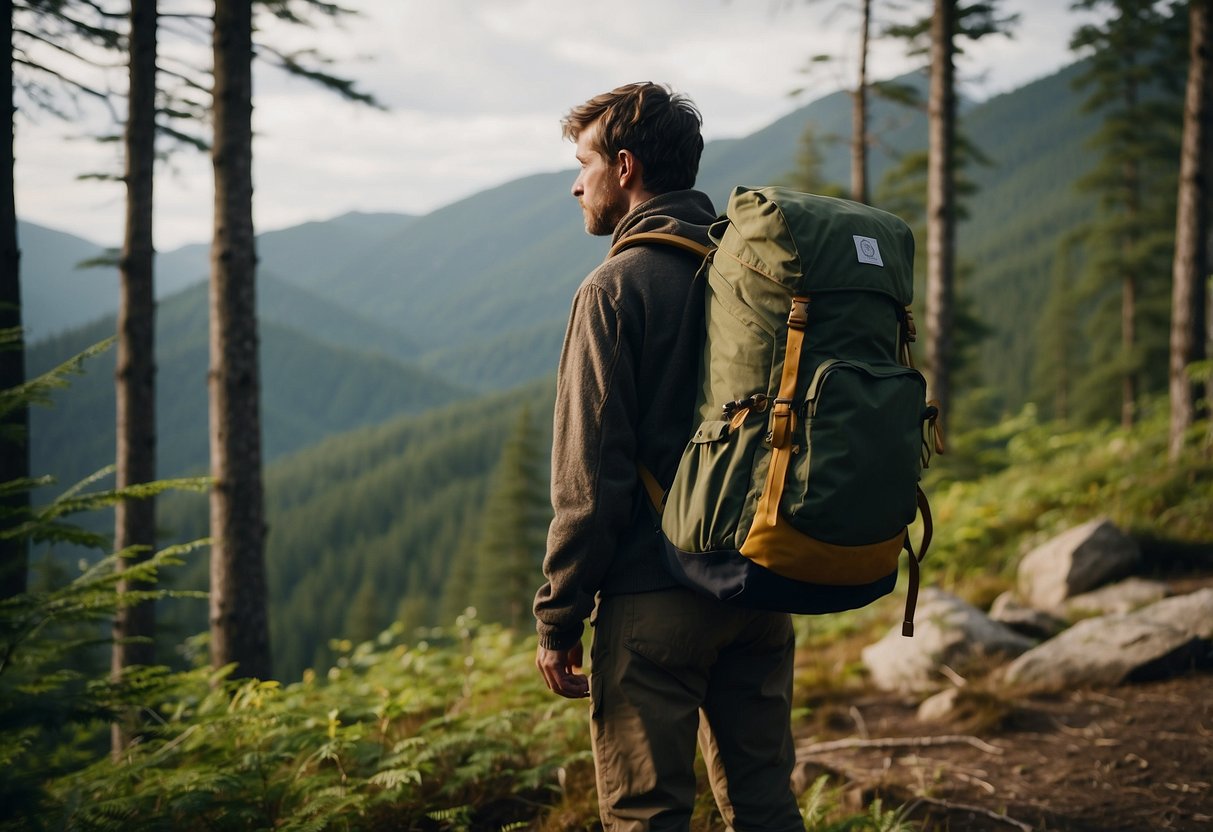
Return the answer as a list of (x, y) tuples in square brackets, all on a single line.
[(594, 478)]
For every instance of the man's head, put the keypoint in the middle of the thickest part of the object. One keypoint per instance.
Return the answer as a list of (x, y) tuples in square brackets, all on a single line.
[(633, 143)]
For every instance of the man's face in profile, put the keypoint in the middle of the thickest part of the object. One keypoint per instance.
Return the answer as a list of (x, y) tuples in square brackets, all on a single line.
[(597, 188)]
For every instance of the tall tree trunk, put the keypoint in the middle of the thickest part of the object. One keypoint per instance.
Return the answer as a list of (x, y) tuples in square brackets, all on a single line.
[(941, 209), (14, 452), (859, 113), (238, 615), (135, 378), (1191, 264)]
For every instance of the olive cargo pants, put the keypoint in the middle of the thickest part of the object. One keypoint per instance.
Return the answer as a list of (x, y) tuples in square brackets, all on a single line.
[(659, 661)]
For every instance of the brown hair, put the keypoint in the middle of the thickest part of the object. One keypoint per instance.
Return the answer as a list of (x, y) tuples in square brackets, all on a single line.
[(659, 126)]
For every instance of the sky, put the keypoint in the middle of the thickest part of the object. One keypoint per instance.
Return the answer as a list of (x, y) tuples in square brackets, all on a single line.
[(472, 94)]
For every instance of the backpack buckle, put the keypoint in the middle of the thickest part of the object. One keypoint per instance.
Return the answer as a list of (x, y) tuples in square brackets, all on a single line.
[(798, 318), (783, 422)]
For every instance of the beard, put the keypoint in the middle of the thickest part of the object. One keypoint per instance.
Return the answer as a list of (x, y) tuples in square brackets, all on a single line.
[(602, 217)]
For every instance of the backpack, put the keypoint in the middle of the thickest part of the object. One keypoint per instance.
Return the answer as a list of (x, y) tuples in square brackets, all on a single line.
[(797, 488)]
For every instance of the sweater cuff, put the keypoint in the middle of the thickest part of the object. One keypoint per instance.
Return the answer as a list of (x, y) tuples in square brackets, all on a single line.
[(553, 638)]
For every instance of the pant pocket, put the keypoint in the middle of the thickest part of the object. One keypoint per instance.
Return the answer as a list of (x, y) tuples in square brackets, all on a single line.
[(671, 629)]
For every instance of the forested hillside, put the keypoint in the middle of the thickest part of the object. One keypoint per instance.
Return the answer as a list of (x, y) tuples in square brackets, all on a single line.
[(319, 379), (1036, 141), (378, 525)]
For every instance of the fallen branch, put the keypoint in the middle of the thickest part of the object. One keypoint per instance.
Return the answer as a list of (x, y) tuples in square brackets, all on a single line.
[(964, 807), (895, 742)]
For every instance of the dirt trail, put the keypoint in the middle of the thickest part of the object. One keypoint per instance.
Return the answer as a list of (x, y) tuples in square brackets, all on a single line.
[(1135, 758)]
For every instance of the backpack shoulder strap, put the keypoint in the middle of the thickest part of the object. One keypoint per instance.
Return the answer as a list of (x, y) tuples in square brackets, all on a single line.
[(660, 238), (653, 488)]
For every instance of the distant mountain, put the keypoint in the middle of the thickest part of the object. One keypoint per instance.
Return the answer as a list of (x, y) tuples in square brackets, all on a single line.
[(312, 386), (55, 293), (58, 295)]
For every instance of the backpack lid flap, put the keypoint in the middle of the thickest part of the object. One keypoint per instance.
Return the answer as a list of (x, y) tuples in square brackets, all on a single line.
[(811, 243)]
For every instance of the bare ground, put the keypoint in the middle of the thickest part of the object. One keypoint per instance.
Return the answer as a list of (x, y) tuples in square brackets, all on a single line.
[(1136, 757)]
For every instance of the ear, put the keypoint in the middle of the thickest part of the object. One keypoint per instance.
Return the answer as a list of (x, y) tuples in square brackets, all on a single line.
[(631, 171)]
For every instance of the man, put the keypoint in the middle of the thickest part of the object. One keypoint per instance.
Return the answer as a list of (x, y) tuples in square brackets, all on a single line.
[(625, 397)]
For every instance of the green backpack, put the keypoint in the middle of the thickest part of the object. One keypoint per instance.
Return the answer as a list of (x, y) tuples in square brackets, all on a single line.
[(797, 488)]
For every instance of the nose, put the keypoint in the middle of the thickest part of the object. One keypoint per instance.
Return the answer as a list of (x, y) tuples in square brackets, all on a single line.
[(578, 188)]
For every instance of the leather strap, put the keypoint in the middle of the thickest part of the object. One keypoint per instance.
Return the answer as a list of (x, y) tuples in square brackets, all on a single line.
[(651, 486), (783, 415), (661, 238), (928, 530)]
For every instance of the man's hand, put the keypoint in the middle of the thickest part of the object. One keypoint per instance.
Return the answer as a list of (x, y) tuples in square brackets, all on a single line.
[(559, 671)]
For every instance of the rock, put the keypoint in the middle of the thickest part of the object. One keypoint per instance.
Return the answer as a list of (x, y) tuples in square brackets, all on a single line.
[(1081, 559), (939, 705), (1122, 597), (1027, 621), (1161, 640), (947, 632)]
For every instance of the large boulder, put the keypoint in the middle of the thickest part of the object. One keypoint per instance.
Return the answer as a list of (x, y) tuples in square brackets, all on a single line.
[(1161, 640), (947, 631), (1081, 559)]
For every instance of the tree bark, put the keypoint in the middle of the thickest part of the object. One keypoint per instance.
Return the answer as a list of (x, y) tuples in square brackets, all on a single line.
[(14, 453), (238, 616), (135, 377), (941, 210), (859, 113), (1191, 265)]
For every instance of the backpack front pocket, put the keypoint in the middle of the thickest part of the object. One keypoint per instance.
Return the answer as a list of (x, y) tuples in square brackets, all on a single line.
[(854, 478)]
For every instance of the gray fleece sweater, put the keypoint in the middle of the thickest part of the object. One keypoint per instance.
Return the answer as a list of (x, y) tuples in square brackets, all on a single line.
[(625, 392)]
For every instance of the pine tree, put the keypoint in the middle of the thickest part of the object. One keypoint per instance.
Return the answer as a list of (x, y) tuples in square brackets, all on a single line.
[(807, 176), (1134, 74), (367, 613), (239, 617), (135, 520), (238, 614), (950, 22), (860, 136), (1191, 266), (941, 203), (509, 553), (14, 451), (859, 110), (1056, 364), (902, 191)]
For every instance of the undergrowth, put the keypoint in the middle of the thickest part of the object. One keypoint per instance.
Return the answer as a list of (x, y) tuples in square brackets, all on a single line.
[(448, 733), (1042, 478)]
